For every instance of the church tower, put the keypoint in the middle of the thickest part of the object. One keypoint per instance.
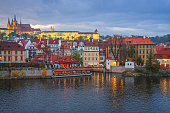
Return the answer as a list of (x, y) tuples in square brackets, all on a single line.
[(8, 25), (14, 23)]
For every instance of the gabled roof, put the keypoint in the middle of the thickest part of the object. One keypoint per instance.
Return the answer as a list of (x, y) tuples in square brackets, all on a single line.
[(139, 40), (5, 45), (91, 43), (163, 51), (56, 59), (66, 45)]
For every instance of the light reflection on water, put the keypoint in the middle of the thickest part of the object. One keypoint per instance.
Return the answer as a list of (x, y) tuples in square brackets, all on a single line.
[(99, 93)]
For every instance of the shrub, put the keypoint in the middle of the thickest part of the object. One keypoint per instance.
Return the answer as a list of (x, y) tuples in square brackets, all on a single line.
[(44, 72), (16, 73)]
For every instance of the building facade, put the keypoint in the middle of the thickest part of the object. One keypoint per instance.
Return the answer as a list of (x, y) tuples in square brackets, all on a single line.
[(11, 52), (163, 56), (69, 35), (91, 53)]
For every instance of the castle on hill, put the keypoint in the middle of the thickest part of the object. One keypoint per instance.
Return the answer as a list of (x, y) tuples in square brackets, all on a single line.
[(21, 28)]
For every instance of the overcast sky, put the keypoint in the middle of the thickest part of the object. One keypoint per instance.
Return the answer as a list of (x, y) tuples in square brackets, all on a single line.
[(124, 17)]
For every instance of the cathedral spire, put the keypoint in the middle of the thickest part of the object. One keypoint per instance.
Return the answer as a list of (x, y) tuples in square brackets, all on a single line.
[(20, 21), (15, 18)]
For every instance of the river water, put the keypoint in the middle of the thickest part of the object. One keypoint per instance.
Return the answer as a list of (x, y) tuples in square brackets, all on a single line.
[(96, 94)]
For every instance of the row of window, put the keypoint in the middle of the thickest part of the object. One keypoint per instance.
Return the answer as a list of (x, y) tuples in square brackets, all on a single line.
[(16, 58), (9, 52), (92, 58), (90, 54), (145, 46), (91, 48)]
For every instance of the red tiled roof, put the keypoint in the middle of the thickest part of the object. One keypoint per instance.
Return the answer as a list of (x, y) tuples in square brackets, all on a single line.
[(164, 53), (91, 43), (53, 41), (56, 59), (5, 45), (66, 45), (139, 40)]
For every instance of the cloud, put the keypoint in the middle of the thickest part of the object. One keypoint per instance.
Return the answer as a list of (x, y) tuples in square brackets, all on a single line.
[(111, 16)]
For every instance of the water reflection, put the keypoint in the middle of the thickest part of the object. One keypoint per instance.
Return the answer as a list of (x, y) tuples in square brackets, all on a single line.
[(105, 91)]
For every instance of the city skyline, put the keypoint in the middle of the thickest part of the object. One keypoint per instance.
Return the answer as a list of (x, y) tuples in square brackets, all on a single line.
[(109, 17)]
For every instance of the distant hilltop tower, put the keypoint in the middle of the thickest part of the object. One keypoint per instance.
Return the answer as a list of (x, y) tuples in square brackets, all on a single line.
[(13, 24), (21, 28), (52, 28)]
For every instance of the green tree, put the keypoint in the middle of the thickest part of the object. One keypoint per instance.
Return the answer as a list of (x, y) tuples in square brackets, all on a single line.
[(139, 61), (26, 35), (2, 35), (76, 56), (152, 65)]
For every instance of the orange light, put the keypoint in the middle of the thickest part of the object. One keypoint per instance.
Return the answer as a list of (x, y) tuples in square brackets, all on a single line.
[(114, 63)]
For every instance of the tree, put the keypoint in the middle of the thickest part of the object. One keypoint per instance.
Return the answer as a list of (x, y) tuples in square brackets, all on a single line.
[(152, 65), (76, 56), (139, 61), (26, 35), (118, 48), (2, 35)]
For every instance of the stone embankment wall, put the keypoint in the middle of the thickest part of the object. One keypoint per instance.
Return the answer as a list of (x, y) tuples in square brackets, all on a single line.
[(117, 69), (26, 73)]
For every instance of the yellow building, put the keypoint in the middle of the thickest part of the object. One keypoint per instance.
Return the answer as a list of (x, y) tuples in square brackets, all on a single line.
[(68, 35), (91, 53), (142, 46), (6, 31)]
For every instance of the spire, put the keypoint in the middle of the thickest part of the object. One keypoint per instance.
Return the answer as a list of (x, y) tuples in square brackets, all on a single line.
[(20, 21), (15, 18), (96, 31), (8, 21)]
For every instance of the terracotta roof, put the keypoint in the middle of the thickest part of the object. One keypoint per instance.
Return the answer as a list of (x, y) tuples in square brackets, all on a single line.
[(56, 59), (5, 45), (139, 40), (163, 51), (66, 45), (91, 43), (53, 41)]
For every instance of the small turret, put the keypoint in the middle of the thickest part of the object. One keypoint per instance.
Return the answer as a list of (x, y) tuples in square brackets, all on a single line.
[(8, 25), (15, 18), (96, 31)]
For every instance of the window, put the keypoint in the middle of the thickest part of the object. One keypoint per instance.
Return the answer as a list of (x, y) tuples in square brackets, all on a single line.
[(96, 54), (143, 56), (147, 46), (4, 52), (147, 51), (85, 53), (4, 58), (21, 52), (96, 58), (89, 58), (9, 58), (92, 58), (16, 58), (92, 54), (143, 51), (8, 52), (96, 48), (21, 58), (15, 52), (85, 58), (0, 52), (140, 51), (143, 46), (89, 54)]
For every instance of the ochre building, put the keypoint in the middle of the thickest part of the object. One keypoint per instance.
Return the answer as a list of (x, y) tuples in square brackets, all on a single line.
[(69, 35)]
